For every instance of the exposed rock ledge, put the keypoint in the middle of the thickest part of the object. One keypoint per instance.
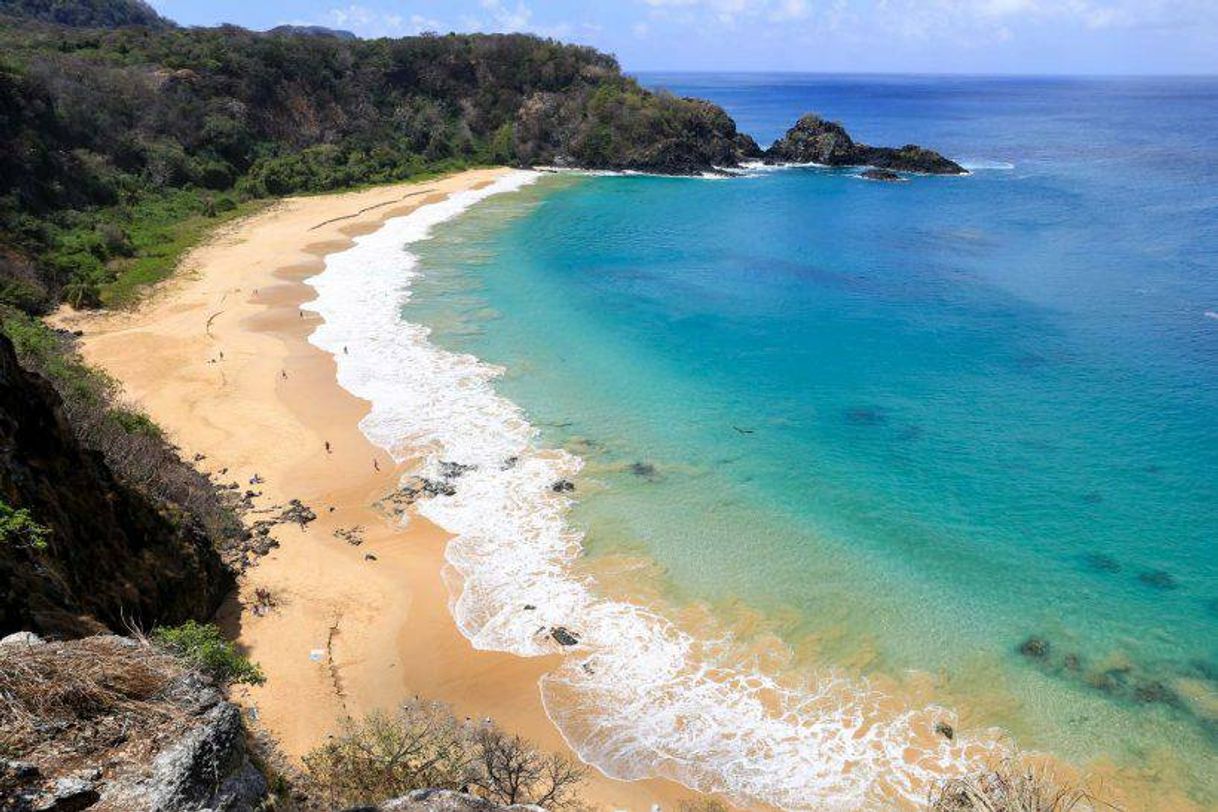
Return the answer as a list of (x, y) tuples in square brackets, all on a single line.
[(443, 800), (124, 727), (815, 140)]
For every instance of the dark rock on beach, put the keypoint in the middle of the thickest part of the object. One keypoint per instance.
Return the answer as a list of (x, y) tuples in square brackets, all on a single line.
[(884, 175), (563, 636), (563, 486), (297, 513), (455, 470), (945, 730), (817, 141)]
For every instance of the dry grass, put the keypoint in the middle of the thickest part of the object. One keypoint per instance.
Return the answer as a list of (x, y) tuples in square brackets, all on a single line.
[(1014, 785), (81, 696)]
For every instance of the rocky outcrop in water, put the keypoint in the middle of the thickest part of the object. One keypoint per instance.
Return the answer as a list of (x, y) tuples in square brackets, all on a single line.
[(882, 175), (113, 556), (817, 141)]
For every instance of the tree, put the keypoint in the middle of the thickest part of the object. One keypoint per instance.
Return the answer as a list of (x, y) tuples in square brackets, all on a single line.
[(511, 771), (423, 746)]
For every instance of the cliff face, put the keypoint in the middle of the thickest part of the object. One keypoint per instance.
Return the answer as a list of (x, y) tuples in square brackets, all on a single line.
[(815, 140), (112, 556)]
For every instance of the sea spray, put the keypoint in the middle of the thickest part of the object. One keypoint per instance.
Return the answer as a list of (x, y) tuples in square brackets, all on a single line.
[(638, 696)]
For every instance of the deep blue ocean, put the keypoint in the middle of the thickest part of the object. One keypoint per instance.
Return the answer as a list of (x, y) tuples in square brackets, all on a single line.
[(959, 427)]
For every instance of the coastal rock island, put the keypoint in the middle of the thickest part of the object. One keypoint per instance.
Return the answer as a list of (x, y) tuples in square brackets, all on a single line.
[(813, 140)]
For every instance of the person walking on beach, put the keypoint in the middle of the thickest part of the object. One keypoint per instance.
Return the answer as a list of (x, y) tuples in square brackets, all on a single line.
[(327, 446), (376, 463)]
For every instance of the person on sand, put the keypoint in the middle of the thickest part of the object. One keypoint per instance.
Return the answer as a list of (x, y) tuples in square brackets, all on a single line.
[(283, 373), (327, 446), (376, 463)]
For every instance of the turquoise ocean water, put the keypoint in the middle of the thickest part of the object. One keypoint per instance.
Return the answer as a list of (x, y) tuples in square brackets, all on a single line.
[(918, 426)]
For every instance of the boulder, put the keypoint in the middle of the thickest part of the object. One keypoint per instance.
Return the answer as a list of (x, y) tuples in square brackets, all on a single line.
[(67, 795), (207, 768), (445, 800), (563, 636)]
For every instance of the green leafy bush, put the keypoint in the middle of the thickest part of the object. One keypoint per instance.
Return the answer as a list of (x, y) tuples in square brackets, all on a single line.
[(202, 645), (18, 528)]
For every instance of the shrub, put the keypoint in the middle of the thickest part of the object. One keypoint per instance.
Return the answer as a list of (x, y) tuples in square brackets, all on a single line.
[(18, 528), (383, 756), (201, 645), (424, 746), (510, 771), (1013, 786)]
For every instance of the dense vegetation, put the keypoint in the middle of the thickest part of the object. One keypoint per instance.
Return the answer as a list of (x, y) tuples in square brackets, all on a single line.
[(87, 13), (119, 145)]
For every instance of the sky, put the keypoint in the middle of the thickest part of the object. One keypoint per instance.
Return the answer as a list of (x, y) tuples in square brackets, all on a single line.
[(882, 36)]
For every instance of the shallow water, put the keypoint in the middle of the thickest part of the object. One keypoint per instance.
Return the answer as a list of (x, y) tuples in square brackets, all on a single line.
[(912, 425)]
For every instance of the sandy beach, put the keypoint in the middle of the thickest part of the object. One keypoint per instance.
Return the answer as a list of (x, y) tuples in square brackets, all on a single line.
[(219, 356)]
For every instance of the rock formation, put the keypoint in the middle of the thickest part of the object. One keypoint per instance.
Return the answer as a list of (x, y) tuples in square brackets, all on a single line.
[(111, 723), (817, 141)]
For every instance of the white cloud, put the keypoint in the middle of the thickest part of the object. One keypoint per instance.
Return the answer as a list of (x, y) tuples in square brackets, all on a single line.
[(504, 18)]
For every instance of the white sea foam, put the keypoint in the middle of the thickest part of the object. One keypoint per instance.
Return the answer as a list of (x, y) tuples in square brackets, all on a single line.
[(638, 696), (974, 164)]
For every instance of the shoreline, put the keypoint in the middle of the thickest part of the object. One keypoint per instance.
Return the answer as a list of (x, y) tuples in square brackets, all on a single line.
[(206, 355)]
